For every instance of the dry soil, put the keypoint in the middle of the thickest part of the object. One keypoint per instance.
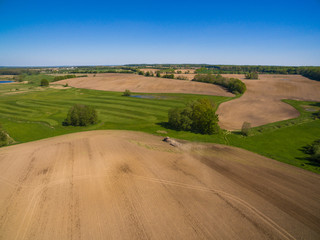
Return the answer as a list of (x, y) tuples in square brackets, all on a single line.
[(261, 103), (130, 185), (136, 83)]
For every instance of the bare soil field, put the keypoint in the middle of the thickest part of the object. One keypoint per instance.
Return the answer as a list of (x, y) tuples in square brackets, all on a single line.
[(136, 83), (261, 103), (131, 185)]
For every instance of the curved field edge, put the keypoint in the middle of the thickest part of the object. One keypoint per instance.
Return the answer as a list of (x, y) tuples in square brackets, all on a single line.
[(35, 115)]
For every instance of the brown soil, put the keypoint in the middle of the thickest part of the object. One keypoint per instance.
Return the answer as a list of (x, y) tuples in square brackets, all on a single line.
[(130, 185), (261, 103), (137, 83)]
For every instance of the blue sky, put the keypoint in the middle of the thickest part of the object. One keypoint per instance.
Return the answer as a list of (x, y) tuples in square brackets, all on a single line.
[(53, 33)]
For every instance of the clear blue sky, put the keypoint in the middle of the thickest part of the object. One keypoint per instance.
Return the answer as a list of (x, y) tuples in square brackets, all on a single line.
[(264, 32)]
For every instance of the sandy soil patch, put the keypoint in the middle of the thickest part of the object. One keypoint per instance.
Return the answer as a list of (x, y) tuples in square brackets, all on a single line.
[(136, 83), (130, 185), (261, 103)]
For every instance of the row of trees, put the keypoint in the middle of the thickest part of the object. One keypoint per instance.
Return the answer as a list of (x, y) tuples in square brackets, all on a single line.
[(233, 85), (311, 72), (197, 116)]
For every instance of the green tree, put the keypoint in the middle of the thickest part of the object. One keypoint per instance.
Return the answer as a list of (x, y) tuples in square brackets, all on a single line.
[(198, 116), (44, 83), (246, 128), (204, 119), (126, 93), (252, 75), (158, 74), (81, 115)]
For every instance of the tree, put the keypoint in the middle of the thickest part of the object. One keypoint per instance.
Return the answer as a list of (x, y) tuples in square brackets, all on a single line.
[(126, 93), (314, 150), (204, 119), (197, 116), (3, 137), (147, 74), (44, 83), (245, 129), (252, 75), (81, 115), (158, 74)]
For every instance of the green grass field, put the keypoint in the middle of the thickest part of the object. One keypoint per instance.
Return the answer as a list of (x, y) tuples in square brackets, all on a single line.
[(31, 113)]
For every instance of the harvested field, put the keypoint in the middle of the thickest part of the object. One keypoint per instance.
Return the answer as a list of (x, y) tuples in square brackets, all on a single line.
[(261, 103), (136, 83), (131, 185)]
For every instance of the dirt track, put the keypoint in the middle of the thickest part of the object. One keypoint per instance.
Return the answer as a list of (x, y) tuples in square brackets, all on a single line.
[(130, 185), (136, 83), (261, 103)]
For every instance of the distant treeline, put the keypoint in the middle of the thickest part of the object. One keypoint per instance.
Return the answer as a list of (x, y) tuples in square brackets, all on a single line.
[(310, 72), (99, 69), (18, 71), (233, 85), (58, 78)]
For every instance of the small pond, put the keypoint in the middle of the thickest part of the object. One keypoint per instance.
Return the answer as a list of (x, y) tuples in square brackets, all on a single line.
[(7, 81), (148, 96)]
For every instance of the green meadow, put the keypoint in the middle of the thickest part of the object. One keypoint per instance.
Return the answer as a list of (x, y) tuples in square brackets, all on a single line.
[(29, 112)]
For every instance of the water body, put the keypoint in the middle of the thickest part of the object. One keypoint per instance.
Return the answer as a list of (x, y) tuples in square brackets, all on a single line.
[(6, 81), (148, 96)]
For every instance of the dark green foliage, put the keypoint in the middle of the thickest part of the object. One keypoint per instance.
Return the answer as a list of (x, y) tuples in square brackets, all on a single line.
[(126, 93), (182, 78), (198, 116), (147, 74), (314, 150), (168, 76), (141, 73), (252, 75), (245, 130), (158, 74), (232, 84), (311, 72), (44, 83), (81, 115), (58, 78), (3, 137)]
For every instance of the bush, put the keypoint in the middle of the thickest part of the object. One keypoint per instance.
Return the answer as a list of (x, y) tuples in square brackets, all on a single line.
[(3, 137), (44, 83), (126, 93), (168, 76), (198, 116), (252, 75), (314, 150), (158, 74), (246, 128), (182, 78), (81, 115)]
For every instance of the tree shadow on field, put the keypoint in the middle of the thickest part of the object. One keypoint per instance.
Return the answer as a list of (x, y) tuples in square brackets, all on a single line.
[(166, 125), (311, 161), (317, 104)]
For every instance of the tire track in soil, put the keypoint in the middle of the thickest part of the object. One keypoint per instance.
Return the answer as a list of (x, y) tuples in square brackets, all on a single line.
[(275, 199)]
